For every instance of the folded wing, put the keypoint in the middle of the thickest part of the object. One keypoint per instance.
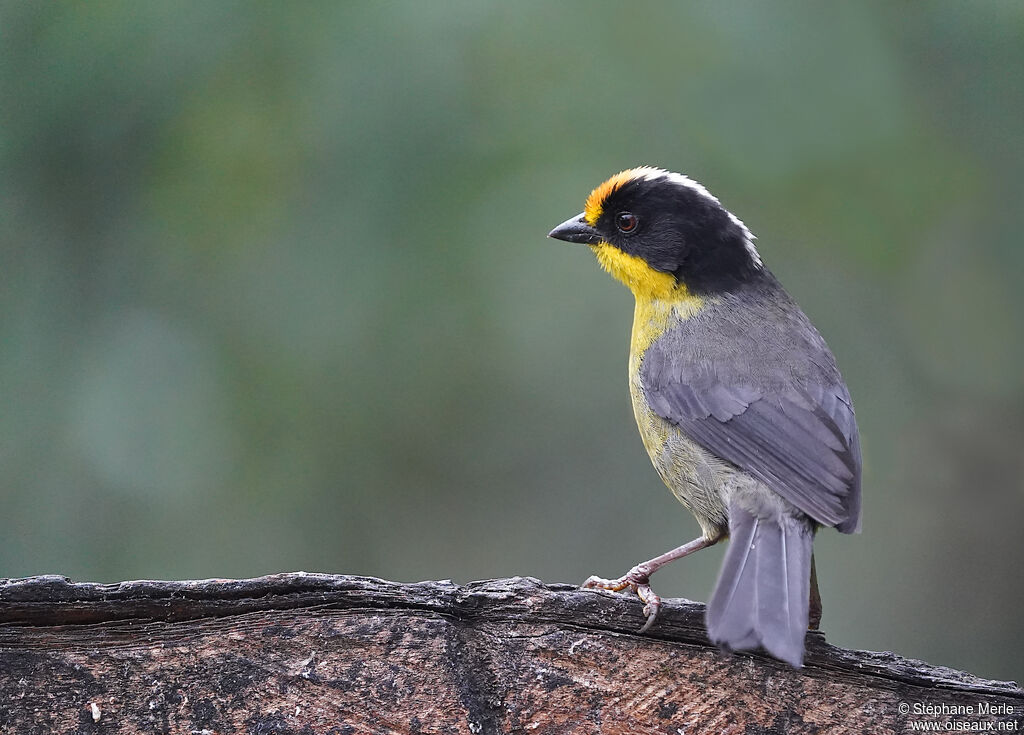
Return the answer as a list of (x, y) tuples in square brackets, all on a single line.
[(798, 436)]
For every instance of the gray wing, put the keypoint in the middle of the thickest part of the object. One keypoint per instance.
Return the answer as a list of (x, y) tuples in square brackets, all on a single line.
[(790, 425)]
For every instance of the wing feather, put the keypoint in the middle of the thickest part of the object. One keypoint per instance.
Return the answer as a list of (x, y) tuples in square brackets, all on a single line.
[(798, 435)]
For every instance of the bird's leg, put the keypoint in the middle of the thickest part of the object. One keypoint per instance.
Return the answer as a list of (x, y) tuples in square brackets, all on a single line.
[(814, 608), (638, 578)]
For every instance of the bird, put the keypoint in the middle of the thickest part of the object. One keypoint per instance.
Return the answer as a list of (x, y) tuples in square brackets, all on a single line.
[(739, 403)]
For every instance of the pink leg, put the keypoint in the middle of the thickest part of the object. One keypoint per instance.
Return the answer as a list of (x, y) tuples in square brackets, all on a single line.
[(638, 578)]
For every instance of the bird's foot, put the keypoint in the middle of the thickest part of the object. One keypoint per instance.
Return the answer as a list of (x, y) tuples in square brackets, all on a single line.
[(638, 581)]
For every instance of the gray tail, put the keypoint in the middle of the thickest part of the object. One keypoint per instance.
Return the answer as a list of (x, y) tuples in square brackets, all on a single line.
[(762, 592)]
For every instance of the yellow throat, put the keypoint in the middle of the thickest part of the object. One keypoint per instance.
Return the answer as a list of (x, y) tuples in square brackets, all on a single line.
[(660, 299)]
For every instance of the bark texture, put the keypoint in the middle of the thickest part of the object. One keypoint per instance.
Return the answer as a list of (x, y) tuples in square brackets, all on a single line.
[(310, 653)]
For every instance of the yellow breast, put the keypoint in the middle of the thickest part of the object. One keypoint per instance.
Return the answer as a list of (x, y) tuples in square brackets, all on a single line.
[(656, 311), (691, 473), (661, 301), (652, 318)]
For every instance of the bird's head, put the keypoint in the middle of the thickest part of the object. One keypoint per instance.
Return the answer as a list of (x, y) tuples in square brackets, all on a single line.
[(658, 231)]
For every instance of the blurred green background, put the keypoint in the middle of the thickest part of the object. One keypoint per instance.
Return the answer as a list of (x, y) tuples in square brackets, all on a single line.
[(277, 293)]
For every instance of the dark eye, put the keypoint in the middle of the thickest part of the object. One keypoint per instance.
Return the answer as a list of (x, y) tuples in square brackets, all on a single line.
[(626, 221)]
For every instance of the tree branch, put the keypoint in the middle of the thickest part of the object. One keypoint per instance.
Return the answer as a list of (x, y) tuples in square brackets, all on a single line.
[(312, 653)]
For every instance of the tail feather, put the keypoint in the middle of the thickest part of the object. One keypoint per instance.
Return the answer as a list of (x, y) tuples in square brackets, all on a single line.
[(761, 597)]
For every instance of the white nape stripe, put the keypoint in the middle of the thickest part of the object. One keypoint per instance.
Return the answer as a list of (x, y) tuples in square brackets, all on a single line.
[(650, 173)]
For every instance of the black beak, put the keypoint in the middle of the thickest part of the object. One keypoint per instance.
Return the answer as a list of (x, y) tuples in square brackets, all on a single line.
[(576, 230)]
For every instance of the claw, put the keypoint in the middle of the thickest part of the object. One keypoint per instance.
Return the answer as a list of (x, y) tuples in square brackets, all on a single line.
[(614, 585), (637, 580), (652, 605)]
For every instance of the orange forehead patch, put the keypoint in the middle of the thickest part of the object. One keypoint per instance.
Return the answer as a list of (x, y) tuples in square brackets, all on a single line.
[(595, 202)]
